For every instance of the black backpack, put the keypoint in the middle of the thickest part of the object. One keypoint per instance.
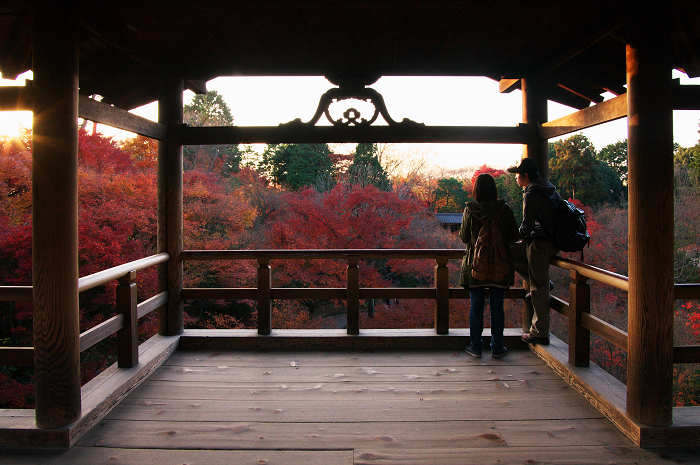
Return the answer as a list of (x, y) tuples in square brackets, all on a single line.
[(571, 232)]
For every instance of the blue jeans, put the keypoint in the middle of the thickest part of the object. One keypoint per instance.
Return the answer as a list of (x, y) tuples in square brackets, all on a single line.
[(476, 315)]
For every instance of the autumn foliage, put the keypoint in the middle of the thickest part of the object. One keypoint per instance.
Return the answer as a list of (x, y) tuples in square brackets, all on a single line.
[(246, 210)]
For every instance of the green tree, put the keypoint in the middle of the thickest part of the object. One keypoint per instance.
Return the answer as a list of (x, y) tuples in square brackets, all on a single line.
[(297, 166), (615, 156), (690, 158), (450, 196), (512, 193), (575, 171), (210, 109), (366, 169), (615, 190)]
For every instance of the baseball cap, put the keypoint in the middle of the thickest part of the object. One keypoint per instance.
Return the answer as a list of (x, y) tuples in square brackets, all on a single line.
[(527, 165)]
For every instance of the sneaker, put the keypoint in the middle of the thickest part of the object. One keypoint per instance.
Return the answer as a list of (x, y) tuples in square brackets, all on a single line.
[(474, 351), (532, 339), (498, 352), (528, 296)]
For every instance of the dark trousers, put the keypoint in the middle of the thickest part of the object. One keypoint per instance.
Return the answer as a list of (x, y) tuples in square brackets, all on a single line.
[(476, 315)]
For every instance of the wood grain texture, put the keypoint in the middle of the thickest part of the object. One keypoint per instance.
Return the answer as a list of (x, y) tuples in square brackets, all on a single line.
[(427, 407)]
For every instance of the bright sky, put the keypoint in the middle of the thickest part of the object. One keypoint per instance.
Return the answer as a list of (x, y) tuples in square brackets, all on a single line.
[(457, 101)]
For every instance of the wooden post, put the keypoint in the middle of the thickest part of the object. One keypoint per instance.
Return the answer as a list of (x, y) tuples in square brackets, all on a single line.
[(534, 114), (264, 300), (55, 215), (579, 337), (170, 317), (128, 336), (442, 296), (353, 299), (651, 223)]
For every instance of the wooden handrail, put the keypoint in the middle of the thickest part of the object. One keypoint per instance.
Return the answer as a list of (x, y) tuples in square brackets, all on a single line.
[(606, 277), (686, 291), (15, 293), (337, 254), (102, 277), (608, 332)]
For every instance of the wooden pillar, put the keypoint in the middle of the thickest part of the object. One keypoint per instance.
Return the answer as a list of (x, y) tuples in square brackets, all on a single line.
[(264, 300), (442, 296), (55, 215), (128, 336), (353, 298), (534, 114), (579, 337), (170, 109), (651, 224)]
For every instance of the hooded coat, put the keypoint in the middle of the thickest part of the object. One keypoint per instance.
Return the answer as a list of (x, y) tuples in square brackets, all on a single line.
[(474, 212)]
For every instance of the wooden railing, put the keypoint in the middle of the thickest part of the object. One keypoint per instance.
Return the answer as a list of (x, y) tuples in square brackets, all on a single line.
[(578, 310), (124, 323), (264, 293), (582, 323)]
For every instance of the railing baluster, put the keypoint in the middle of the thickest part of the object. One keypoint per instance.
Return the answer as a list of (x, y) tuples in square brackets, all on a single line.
[(579, 337), (127, 337), (264, 301), (442, 296), (353, 300)]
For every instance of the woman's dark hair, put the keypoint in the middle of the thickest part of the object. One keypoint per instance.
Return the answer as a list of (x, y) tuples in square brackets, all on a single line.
[(485, 188)]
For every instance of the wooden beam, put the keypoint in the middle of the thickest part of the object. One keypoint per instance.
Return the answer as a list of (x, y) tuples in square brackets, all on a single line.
[(506, 86), (198, 86), (17, 356), (686, 97), (15, 293), (604, 112), (121, 119), (298, 134), (16, 98), (101, 332), (591, 98), (605, 330), (686, 354)]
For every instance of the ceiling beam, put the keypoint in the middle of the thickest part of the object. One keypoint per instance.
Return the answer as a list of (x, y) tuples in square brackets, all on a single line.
[(300, 133), (604, 112), (99, 112)]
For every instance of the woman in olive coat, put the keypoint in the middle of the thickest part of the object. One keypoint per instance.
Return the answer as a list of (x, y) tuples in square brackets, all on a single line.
[(487, 205)]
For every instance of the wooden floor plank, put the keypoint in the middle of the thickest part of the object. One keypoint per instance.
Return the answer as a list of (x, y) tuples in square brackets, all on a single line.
[(618, 455), (237, 435), (353, 410), (390, 435), (356, 359), (365, 374), (109, 456), (427, 407), (193, 390)]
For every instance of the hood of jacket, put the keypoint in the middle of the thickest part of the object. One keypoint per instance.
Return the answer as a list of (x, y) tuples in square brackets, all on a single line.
[(487, 209)]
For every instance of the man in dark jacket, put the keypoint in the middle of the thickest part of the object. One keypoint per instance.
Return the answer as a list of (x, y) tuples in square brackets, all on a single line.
[(532, 253)]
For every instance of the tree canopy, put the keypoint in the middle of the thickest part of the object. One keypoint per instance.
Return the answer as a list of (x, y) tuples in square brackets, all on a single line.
[(575, 170), (450, 196), (210, 109), (297, 166), (366, 169)]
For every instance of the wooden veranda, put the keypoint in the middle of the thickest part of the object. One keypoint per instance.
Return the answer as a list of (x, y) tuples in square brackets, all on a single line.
[(132, 53), (352, 407)]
